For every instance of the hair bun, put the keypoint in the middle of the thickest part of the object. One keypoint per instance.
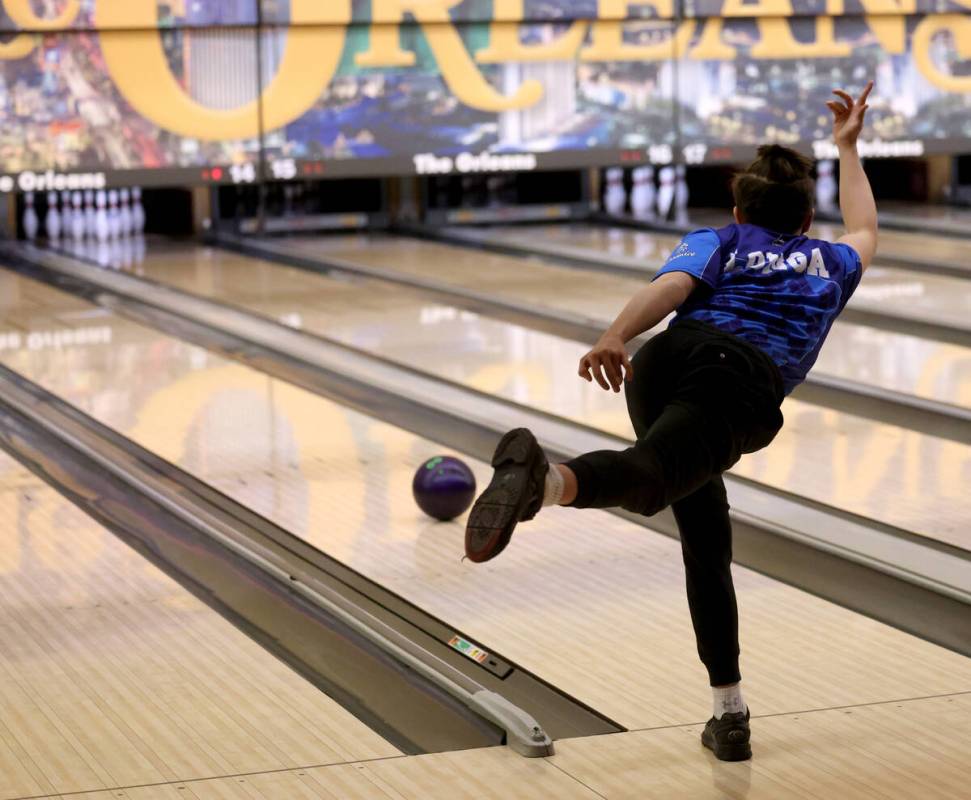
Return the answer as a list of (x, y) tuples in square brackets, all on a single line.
[(781, 164)]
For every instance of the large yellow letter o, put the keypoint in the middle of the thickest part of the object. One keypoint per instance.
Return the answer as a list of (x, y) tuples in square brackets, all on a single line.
[(137, 64), (959, 26)]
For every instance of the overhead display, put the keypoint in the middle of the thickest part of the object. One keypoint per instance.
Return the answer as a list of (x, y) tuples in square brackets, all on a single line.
[(62, 110), (139, 91)]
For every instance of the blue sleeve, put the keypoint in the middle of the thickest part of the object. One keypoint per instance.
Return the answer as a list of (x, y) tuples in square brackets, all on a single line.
[(851, 268), (698, 255)]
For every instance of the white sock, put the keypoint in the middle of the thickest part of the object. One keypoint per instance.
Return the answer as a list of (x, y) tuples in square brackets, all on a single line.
[(553, 491), (727, 700)]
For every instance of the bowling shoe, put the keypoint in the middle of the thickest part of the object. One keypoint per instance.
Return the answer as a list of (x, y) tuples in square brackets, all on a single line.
[(515, 494), (728, 737)]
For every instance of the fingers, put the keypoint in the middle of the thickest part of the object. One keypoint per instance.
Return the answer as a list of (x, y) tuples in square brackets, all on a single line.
[(598, 376), (628, 369), (839, 111), (603, 369), (865, 94), (590, 370), (584, 371), (844, 96), (611, 368), (850, 103)]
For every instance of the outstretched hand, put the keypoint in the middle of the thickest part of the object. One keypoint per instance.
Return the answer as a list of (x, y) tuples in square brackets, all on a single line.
[(608, 363), (848, 116)]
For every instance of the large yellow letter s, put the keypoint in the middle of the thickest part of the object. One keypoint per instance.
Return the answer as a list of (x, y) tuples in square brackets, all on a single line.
[(135, 58)]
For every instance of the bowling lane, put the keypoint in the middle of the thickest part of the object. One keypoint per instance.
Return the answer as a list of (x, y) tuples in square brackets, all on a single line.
[(857, 353), (906, 293), (114, 676), (917, 245), (933, 217), (558, 601), (879, 471)]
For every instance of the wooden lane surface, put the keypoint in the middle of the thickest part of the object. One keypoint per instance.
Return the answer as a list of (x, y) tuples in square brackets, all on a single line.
[(894, 361), (886, 289), (586, 600), (111, 675), (920, 246), (866, 753), (880, 471)]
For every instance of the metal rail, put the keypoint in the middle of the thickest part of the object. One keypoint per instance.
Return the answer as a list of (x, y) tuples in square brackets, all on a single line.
[(82, 437)]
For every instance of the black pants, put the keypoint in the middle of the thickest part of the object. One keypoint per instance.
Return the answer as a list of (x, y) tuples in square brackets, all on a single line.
[(699, 399)]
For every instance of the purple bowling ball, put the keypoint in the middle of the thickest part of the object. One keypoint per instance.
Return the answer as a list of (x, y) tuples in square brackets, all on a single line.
[(444, 487)]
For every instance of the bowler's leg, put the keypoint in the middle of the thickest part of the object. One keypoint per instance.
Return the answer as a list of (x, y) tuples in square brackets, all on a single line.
[(706, 545)]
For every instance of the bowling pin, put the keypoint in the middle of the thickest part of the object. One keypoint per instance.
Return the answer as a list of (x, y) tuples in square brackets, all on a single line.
[(52, 221), (125, 216), (643, 195), (826, 187), (114, 216), (126, 254), (101, 227), (137, 211), (90, 215), (77, 217), (67, 215), (681, 194), (31, 222), (615, 198), (103, 252), (138, 252), (665, 194)]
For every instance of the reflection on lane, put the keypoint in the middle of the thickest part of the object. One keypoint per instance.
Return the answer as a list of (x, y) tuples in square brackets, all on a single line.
[(343, 481), (858, 353), (879, 471), (887, 289)]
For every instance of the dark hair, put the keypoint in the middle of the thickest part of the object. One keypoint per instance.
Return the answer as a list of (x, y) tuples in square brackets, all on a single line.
[(776, 191)]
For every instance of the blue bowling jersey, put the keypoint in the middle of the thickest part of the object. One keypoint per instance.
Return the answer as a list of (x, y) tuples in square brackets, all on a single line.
[(779, 292)]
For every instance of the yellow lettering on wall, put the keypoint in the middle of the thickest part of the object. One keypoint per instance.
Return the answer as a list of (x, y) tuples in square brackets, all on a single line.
[(458, 70), (776, 41), (762, 8), (385, 48), (775, 36), (891, 32), (505, 47), (959, 26), (137, 64), (607, 40), (710, 46), (20, 11), (889, 7), (884, 17), (18, 47)]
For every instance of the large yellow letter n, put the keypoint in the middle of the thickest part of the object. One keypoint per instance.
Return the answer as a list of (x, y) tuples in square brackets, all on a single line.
[(136, 60), (458, 69)]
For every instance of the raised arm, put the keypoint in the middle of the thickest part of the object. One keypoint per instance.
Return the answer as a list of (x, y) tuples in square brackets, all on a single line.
[(856, 198)]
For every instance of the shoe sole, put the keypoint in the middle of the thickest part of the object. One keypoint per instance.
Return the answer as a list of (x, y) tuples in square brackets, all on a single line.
[(499, 508)]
